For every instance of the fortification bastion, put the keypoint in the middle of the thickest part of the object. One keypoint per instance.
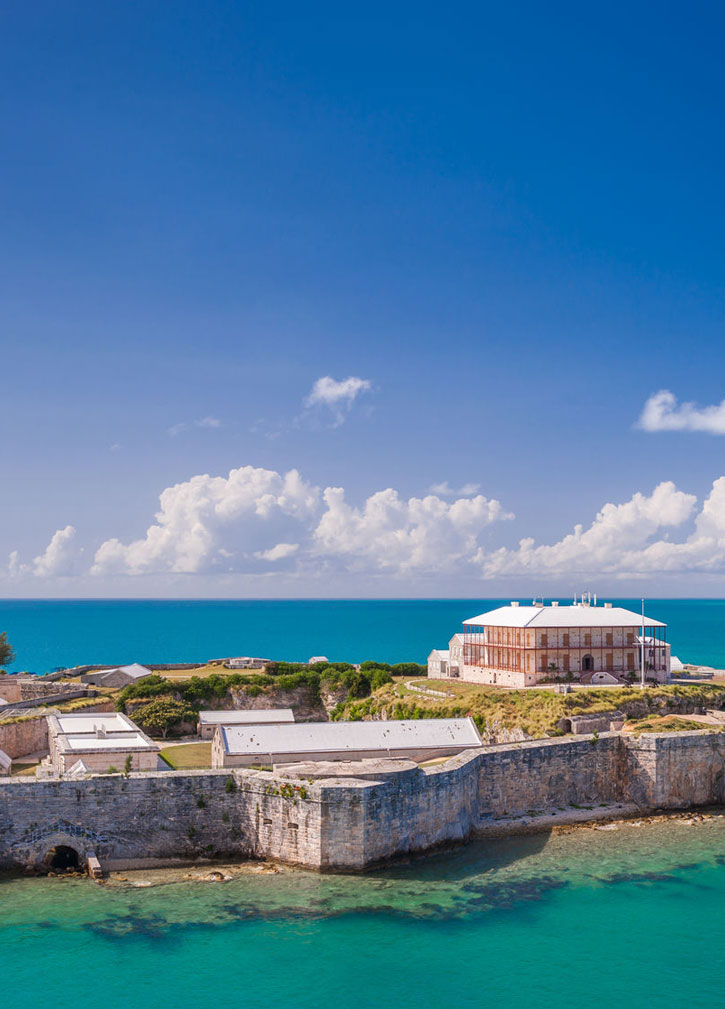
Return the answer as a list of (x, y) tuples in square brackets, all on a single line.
[(351, 823)]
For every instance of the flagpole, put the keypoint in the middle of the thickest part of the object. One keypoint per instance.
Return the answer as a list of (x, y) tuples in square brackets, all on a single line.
[(641, 654)]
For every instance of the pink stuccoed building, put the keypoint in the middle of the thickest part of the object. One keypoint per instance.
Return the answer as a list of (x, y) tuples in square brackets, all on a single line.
[(520, 646)]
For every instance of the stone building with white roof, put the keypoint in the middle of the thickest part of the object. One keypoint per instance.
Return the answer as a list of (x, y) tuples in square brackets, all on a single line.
[(208, 720), (520, 646), (416, 739), (99, 742)]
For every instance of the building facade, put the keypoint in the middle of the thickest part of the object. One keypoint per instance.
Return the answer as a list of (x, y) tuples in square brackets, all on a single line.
[(520, 646)]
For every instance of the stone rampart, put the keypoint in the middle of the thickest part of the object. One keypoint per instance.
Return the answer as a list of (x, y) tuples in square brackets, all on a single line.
[(352, 823)]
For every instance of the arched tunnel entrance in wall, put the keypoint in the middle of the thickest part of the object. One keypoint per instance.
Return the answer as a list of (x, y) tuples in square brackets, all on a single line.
[(62, 858)]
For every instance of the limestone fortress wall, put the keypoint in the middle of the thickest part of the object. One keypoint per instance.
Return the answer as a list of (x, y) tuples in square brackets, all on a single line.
[(353, 824)]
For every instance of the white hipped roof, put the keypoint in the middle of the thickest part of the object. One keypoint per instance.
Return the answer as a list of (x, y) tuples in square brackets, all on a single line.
[(561, 616), (250, 717), (317, 737), (135, 670)]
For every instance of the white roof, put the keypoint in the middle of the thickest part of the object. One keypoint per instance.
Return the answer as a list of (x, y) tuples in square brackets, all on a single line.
[(442, 653), (77, 723), (135, 671), (87, 742), (250, 717), (562, 616), (78, 768), (316, 737), (5, 761), (317, 658), (458, 638)]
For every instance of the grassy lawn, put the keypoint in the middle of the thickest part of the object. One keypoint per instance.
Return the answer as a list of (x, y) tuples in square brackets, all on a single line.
[(188, 756), (667, 723), (20, 769), (536, 712), (186, 674)]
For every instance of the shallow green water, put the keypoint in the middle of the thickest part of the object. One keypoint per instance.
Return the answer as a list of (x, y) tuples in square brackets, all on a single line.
[(629, 916)]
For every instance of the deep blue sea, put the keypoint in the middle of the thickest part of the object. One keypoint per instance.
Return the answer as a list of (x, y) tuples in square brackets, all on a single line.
[(618, 916), (48, 634)]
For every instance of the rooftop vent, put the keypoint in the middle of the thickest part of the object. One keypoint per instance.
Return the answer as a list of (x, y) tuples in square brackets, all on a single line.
[(554, 602), (514, 602)]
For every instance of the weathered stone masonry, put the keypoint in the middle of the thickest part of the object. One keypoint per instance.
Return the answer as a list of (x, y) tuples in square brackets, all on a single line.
[(352, 823)]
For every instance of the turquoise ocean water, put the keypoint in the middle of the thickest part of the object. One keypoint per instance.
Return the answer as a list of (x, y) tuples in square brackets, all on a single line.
[(631, 916), (47, 634)]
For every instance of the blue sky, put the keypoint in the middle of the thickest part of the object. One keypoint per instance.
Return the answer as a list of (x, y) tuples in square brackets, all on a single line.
[(506, 222)]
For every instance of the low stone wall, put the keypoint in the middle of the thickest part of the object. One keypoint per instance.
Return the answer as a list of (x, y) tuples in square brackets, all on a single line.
[(18, 739), (352, 823)]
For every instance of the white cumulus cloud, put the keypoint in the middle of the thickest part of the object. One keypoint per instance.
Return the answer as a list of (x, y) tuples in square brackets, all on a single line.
[(235, 523), (616, 541), (394, 534), (208, 520), (279, 552), (663, 412), (60, 557), (336, 396)]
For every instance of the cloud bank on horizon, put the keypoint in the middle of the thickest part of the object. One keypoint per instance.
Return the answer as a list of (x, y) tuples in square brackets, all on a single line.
[(257, 520)]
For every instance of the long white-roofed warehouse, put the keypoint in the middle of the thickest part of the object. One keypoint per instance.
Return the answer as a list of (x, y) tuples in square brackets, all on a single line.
[(208, 720), (417, 739), (520, 646)]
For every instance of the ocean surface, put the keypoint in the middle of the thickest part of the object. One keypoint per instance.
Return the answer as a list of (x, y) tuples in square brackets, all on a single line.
[(622, 916), (48, 634)]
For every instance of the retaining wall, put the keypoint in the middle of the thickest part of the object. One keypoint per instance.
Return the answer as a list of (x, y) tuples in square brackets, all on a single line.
[(352, 823)]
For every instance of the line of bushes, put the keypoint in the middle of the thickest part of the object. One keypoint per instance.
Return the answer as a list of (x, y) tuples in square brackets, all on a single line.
[(199, 690)]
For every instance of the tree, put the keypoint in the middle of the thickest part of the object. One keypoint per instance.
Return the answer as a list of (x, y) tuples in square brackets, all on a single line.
[(7, 655), (161, 715)]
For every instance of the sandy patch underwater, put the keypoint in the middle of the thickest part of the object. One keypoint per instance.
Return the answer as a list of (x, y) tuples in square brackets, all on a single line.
[(624, 910)]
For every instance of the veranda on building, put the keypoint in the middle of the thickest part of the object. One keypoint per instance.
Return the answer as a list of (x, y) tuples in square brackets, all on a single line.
[(520, 646)]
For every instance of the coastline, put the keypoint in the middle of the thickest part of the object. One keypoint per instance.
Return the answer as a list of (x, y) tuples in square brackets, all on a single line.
[(148, 873)]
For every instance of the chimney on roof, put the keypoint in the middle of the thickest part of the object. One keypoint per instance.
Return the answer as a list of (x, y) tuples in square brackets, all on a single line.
[(554, 602), (514, 602), (607, 606)]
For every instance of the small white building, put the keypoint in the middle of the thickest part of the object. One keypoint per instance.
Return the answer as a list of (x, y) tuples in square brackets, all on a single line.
[(447, 662), (208, 720), (245, 662), (317, 658), (100, 742), (438, 663), (119, 676), (417, 739)]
